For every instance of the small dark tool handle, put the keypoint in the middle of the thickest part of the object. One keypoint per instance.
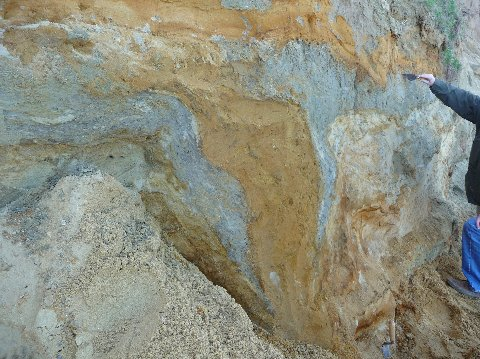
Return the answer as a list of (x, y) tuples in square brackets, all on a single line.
[(410, 77)]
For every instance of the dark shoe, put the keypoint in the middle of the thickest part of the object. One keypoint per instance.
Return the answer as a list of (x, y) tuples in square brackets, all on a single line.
[(463, 287)]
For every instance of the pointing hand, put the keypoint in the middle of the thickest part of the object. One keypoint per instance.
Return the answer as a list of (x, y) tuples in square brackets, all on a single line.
[(427, 78)]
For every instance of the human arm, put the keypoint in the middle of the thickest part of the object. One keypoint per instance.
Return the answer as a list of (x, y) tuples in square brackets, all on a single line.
[(464, 103)]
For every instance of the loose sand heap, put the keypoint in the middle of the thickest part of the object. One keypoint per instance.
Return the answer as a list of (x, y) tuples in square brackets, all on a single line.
[(84, 274), (435, 321)]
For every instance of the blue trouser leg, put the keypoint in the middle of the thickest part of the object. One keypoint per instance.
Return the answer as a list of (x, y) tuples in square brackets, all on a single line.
[(471, 253)]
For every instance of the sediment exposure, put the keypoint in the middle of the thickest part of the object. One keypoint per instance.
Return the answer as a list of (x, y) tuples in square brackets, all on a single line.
[(273, 143)]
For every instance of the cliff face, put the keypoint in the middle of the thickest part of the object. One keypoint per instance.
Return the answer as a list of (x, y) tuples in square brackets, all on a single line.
[(274, 142)]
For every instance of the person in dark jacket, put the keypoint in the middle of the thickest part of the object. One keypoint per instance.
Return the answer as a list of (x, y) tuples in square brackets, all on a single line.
[(467, 106)]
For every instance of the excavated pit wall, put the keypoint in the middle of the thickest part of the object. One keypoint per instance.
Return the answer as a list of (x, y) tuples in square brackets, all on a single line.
[(276, 144)]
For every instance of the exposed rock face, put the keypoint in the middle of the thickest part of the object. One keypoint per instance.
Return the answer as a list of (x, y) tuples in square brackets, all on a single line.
[(274, 142)]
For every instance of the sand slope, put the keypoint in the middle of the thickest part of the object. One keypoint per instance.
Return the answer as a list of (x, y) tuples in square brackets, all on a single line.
[(83, 274)]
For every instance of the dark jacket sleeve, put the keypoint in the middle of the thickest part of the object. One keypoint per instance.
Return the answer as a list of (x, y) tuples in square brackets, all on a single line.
[(462, 102)]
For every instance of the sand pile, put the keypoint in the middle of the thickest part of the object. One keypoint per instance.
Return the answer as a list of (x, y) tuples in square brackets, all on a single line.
[(434, 321), (84, 274)]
